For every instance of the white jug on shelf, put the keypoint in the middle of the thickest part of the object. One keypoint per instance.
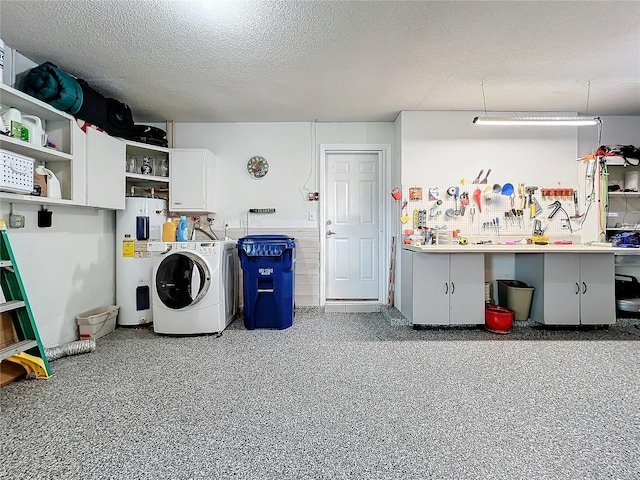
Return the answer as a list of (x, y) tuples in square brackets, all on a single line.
[(36, 130), (12, 122), (53, 184)]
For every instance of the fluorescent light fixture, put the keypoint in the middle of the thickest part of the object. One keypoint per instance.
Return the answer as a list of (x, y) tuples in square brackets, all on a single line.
[(541, 121)]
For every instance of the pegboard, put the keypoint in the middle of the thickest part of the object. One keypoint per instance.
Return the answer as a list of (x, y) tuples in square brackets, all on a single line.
[(494, 216)]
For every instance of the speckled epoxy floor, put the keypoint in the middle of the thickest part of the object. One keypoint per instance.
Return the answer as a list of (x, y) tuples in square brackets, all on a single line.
[(349, 396)]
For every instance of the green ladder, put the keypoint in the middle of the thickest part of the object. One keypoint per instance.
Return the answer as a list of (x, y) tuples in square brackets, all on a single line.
[(28, 351)]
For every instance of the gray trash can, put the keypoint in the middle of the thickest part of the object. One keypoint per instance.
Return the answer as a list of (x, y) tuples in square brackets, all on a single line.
[(517, 296)]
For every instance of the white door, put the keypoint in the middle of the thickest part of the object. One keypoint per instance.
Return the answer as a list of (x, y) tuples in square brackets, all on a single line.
[(352, 225)]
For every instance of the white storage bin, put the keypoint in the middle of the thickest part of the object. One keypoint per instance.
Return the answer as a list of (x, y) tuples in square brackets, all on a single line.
[(16, 172), (97, 322)]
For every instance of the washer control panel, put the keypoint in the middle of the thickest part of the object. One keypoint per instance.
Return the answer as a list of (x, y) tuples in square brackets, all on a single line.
[(209, 248), (204, 248)]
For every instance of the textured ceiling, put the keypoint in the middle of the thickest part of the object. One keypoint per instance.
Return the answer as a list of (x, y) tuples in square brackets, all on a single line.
[(265, 61)]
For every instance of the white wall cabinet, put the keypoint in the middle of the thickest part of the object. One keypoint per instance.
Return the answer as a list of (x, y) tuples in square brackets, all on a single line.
[(66, 161), (443, 289), (570, 289), (105, 170), (192, 175), (114, 170)]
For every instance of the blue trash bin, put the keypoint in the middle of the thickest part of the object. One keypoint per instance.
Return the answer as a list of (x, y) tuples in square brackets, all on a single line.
[(268, 265)]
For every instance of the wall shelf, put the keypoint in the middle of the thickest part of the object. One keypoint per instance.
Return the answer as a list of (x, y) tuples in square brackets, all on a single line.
[(148, 178), (624, 194), (30, 150), (17, 198), (141, 149), (27, 103)]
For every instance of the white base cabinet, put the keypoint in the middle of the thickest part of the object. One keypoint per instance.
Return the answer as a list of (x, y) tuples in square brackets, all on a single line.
[(443, 289), (570, 289), (192, 179)]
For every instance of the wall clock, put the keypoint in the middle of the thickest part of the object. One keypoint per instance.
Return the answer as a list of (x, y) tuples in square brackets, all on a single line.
[(258, 167)]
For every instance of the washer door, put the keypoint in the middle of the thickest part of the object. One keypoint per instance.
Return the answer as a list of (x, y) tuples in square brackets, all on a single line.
[(182, 279)]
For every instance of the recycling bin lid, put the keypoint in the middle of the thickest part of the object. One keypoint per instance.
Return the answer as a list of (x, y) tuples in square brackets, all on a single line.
[(265, 245), (265, 238)]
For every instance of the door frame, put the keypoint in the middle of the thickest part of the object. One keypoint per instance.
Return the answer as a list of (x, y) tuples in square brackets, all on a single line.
[(384, 210)]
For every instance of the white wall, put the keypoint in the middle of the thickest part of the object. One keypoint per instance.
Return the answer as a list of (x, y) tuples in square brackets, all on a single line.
[(292, 152), (443, 147), (615, 131), (397, 156), (350, 133), (287, 148), (66, 269)]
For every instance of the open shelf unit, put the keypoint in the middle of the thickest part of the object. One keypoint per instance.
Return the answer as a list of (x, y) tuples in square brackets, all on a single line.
[(624, 207), (149, 183), (66, 160)]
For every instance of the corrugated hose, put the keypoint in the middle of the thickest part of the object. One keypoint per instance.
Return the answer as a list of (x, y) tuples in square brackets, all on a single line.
[(71, 348)]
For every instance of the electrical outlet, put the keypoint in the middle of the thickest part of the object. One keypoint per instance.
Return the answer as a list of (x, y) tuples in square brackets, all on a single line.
[(16, 221), (312, 216)]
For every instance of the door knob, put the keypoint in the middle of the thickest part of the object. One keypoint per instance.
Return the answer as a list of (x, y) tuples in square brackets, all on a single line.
[(329, 233)]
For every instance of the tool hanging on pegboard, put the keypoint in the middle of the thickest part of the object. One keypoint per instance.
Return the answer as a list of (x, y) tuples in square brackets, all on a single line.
[(419, 218)]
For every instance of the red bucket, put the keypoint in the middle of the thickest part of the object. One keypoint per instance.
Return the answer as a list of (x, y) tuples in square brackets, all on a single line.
[(498, 319)]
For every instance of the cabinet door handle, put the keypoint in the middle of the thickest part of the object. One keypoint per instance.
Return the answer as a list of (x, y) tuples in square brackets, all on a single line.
[(577, 288), (453, 288), (177, 203), (584, 288), (446, 288)]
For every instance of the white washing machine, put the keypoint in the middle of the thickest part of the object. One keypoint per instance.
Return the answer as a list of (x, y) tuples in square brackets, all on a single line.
[(195, 286)]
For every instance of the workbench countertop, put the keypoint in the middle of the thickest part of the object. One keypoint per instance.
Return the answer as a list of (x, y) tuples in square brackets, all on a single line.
[(498, 248)]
